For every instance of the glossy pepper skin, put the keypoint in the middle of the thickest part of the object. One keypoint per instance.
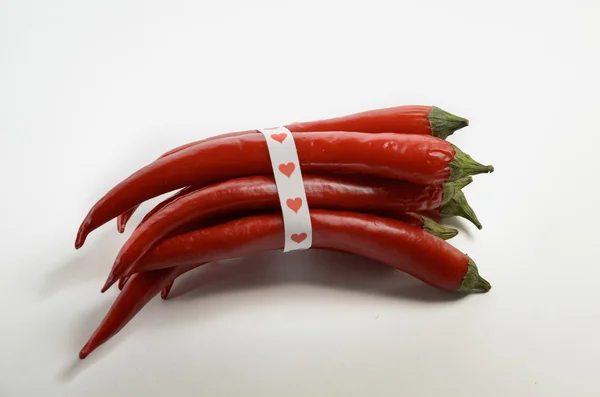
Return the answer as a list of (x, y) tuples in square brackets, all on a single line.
[(411, 119), (405, 247), (394, 243), (408, 119), (260, 192), (409, 218), (415, 158), (204, 223)]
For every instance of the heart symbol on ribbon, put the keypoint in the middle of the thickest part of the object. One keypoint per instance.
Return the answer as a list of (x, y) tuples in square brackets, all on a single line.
[(294, 204), (287, 169), (279, 137), (298, 238)]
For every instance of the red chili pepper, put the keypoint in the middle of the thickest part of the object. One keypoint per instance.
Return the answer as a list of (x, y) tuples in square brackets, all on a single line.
[(411, 218), (411, 119), (391, 242), (415, 158), (456, 206), (394, 243), (260, 192)]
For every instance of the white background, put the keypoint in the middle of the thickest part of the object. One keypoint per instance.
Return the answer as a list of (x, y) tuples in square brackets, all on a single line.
[(91, 91)]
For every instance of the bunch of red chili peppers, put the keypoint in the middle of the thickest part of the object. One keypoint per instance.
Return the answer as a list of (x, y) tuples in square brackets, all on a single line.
[(374, 181)]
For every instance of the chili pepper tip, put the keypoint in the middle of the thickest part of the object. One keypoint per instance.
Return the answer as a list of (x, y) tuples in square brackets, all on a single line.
[(86, 349), (122, 282), (164, 294), (109, 282), (124, 218), (82, 233), (443, 124), (79, 241)]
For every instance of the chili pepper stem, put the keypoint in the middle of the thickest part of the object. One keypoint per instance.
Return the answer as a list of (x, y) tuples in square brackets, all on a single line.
[(443, 124), (443, 232), (451, 188), (473, 282), (459, 206), (464, 165)]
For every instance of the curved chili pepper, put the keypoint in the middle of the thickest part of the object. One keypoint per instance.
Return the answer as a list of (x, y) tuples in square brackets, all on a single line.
[(405, 247), (391, 242), (456, 206), (146, 287), (415, 158), (408, 119), (412, 119), (411, 218), (260, 192)]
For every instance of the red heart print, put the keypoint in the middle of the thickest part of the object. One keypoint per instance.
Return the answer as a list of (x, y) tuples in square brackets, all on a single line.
[(298, 238), (287, 169), (279, 137), (294, 204)]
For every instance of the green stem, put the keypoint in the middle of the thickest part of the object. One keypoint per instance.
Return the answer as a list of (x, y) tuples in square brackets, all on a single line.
[(463, 165), (451, 188), (443, 124), (443, 232), (458, 206), (473, 282)]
